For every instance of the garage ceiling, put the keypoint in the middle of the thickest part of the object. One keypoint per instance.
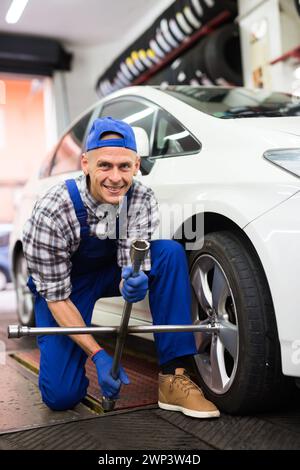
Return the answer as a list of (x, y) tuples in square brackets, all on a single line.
[(86, 22)]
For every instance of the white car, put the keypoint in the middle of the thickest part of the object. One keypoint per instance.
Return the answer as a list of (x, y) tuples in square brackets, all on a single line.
[(231, 157)]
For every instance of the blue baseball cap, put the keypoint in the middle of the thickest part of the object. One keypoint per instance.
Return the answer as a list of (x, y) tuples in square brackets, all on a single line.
[(109, 125)]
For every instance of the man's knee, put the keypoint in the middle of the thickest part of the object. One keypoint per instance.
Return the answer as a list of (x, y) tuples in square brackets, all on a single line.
[(167, 248), (61, 398)]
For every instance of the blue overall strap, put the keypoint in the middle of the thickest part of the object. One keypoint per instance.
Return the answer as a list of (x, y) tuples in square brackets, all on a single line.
[(80, 210)]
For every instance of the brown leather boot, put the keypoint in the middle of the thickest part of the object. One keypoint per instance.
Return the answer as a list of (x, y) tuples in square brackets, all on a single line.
[(178, 393)]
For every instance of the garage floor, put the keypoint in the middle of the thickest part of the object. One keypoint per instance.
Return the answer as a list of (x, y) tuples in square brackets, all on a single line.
[(26, 423)]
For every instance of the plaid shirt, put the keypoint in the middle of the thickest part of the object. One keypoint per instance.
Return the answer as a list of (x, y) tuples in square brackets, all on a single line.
[(52, 234)]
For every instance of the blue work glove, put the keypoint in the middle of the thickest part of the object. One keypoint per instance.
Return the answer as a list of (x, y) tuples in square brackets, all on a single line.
[(110, 387), (134, 288)]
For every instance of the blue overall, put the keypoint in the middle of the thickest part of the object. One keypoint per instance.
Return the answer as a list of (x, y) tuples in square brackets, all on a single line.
[(95, 274)]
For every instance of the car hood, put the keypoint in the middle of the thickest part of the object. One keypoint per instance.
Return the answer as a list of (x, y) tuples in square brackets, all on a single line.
[(286, 125)]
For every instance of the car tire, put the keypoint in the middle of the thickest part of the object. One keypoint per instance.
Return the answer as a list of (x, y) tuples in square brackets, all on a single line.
[(197, 62), (222, 56), (3, 280), (25, 303), (239, 368)]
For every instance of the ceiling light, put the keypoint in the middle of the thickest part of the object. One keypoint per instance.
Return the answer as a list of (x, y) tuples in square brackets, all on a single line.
[(15, 11)]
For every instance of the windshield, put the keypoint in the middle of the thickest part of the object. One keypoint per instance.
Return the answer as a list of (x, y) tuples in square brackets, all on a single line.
[(232, 103)]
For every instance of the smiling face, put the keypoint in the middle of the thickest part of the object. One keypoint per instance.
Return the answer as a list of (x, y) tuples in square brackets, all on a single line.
[(111, 171)]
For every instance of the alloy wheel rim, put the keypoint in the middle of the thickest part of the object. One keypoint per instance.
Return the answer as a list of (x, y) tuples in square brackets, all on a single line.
[(213, 302), (24, 296), (2, 280)]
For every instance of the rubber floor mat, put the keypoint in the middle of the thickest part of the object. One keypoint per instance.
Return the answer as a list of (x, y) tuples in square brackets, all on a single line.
[(143, 376), (138, 430), (21, 406)]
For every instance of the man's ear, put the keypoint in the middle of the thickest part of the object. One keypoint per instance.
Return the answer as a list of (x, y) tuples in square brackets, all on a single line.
[(137, 165), (84, 164)]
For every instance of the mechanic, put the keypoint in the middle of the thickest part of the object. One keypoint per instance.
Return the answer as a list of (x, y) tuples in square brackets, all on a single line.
[(75, 255)]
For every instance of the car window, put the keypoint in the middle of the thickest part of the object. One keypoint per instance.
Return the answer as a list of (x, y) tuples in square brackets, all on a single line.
[(131, 111), (67, 155), (234, 103), (171, 138), (136, 114)]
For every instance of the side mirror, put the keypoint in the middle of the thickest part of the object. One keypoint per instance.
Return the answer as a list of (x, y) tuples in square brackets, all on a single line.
[(142, 141)]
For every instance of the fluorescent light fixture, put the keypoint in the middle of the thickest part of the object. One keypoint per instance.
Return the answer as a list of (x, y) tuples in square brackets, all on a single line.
[(15, 11)]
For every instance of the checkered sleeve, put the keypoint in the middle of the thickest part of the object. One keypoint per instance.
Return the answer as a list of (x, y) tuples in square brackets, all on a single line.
[(143, 221), (47, 255)]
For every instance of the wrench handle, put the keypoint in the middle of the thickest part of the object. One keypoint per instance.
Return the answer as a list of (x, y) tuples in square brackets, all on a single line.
[(138, 252)]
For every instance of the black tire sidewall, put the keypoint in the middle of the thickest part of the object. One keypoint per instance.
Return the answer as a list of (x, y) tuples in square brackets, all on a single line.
[(250, 365), (215, 58)]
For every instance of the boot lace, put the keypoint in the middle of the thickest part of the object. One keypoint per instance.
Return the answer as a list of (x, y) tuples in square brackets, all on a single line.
[(184, 383)]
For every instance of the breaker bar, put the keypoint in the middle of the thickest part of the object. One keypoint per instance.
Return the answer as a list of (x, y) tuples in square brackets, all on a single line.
[(17, 331)]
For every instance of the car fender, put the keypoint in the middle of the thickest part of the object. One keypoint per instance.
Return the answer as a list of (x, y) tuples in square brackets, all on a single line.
[(239, 204)]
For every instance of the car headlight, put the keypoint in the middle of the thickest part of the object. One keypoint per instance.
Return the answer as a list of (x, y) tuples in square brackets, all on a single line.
[(289, 159)]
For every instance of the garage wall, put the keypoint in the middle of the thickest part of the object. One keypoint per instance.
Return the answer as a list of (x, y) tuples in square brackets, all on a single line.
[(269, 29), (261, 43), (290, 26), (75, 90)]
